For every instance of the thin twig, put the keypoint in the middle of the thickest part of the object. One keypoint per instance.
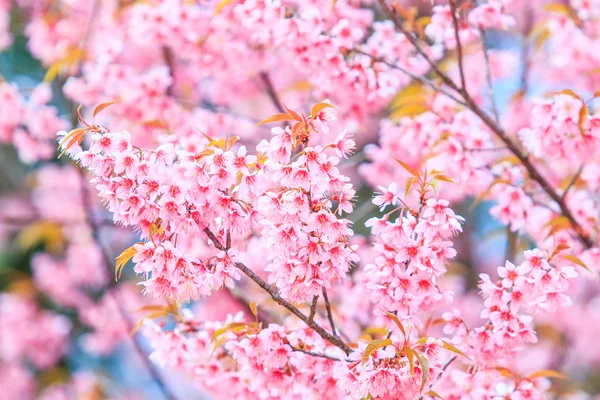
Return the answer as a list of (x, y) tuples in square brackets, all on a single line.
[(313, 307), (316, 354), (272, 92), (415, 77), (329, 314), (523, 157), (570, 185), (444, 367), (459, 49), (336, 341), (488, 75)]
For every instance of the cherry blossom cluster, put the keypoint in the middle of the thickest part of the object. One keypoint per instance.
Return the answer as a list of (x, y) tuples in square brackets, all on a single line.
[(411, 252), (28, 123)]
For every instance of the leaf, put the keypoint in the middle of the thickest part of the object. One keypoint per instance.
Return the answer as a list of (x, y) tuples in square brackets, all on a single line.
[(409, 182), (293, 113), (454, 349), (424, 367), (487, 191), (434, 394), (411, 358), (445, 178), (558, 224), (276, 118), (253, 308), (45, 232), (407, 167), (234, 326), (394, 318), (505, 372), (221, 6), (53, 72), (558, 8), (374, 346), (548, 373), (101, 107), (558, 249), (123, 258), (542, 38), (74, 137), (317, 108), (409, 110), (218, 344), (583, 113), (576, 260)]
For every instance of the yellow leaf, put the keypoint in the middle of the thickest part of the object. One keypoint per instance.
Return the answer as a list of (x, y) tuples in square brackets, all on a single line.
[(558, 249), (434, 394), (45, 232), (548, 373), (221, 6), (253, 308), (445, 178), (294, 114), (487, 192), (505, 372), (377, 331), (541, 38), (123, 258), (218, 344), (101, 107), (411, 358), (576, 260), (234, 326), (276, 118), (407, 167), (452, 348), (409, 182), (53, 72), (558, 8), (583, 113), (424, 367), (374, 346), (409, 110), (317, 108)]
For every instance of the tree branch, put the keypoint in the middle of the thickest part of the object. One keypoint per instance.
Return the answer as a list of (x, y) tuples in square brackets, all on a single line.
[(336, 341), (329, 314), (272, 92), (534, 174), (459, 49), (313, 307), (315, 354)]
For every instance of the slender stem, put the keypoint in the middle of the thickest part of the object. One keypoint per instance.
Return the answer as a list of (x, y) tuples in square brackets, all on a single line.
[(523, 157), (336, 341), (272, 92), (106, 260), (459, 49), (488, 76), (329, 314), (415, 77), (313, 307), (316, 354), (444, 368), (573, 180)]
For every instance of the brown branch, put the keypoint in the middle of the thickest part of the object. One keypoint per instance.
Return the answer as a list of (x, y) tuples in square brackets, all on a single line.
[(570, 185), (459, 49), (313, 307), (336, 341), (329, 314), (272, 92), (488, 75), (316, 354), (415, 77), (523, 157)]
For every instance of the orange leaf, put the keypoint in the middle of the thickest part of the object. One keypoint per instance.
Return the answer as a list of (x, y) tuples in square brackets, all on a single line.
[(276, 118), (101, 107), (548, 373), (407, 167), (317, 108), (576, 260), (123, 258)]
